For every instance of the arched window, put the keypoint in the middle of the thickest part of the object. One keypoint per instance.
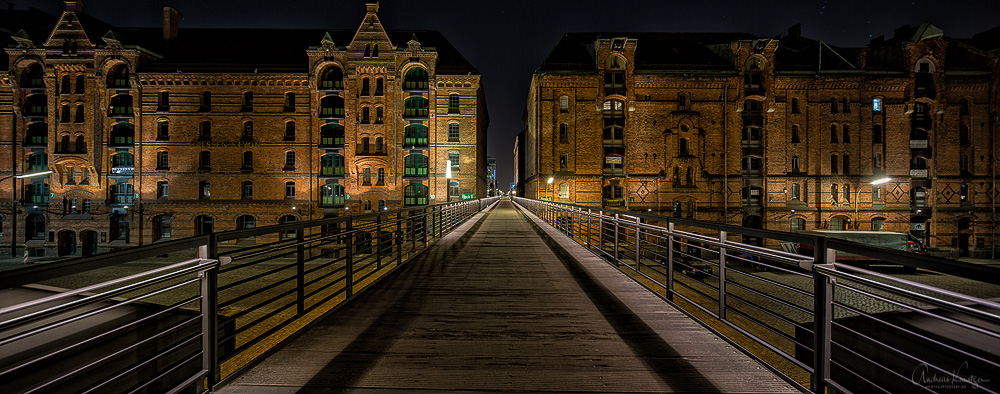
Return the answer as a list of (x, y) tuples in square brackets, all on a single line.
[(162, 227), (36, 105), (32, 77), (683, 147), (752, 164), (289, 160), (364, 87), (78, 118), (847, 134), (331, 78), (290, 130), (415, 135), (564, 191), (331, 134), (247, 190), (878, 224), (122, 133), (121, 106), (614, 75), (118, 77), (247, 131), (205, 161), (796, 224), (204, 225), (122, 193), (415, 194), (331, 107), (34, 227), (247, 161), (289, 189), (285, 220), (415, 165), (453, 190), (415, 107), (38, 161), (38, 134), (838, 224), (246, 222), (331, 195), (332, 164), (453, 103), (247, 102), (833, 134), (64, 88), (415, 79), (205, 131), (206, 102)]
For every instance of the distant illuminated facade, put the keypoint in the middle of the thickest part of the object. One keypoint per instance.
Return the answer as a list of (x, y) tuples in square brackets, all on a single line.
[(155, 134), (491, 176), (784, 133)]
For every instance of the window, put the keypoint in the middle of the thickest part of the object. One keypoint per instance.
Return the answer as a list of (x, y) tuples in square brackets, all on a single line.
[(563, 103), (118, 77), (122, 193), (416, 78), (375, 50), (331, 78), (752, 164), (247, 161), (415, 194), (365, 115), (847, 134), (204, 190), (205, 161), (415, 165), (247, 102), (453, 190), (683, 147), (247, 190), (834, 195), (963, 194), (79, 85), (64, 115), (877, 105), (285, 220), (379, 86), (796, 192), (795, 163), (415, 107), (795, 134), (877, 134), (563, 162), (380, 181), (162, 160), (289, 160), (79, 114), (204, 225), (247, 131), (122, 162), (206, 102), (331, 195), (38, 161), (845, 105), (833, 164), (289, 189), (920, 197), (290, 131), (416, 134), (364, 145), (963, 164), (245, 222), (379, 114), (878, 224), (795, 105), (161, 189), (163, 101), (453, 156), (331, 164), (833, 105), (379, 145), (364, 87), (65, 85), (366, 176), (833, 134), (563, 132), (847, 193), (289, 102), (564, 191), (37, 193), (453, 103), (963, 135), (205, 131), (796, 224), (162, 130), (331, 134), (877, 161), (453, 132), (381, 205), (161, 227), (877, 193), (847, 165), (682, 102)]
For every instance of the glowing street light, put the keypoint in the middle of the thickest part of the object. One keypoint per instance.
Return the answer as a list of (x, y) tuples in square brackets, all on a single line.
[(857, 194)]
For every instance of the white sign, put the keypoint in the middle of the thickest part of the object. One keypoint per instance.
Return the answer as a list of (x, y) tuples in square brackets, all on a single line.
[(613, 160)]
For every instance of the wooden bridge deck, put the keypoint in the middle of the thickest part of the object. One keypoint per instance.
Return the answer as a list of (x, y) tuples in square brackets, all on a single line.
[(506, 303)]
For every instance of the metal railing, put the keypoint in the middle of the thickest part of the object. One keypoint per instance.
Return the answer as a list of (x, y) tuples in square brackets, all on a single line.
[(192, 314), (820, 324)]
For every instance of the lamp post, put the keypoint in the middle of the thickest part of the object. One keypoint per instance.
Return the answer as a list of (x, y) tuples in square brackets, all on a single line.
[(13, 203), (553, 195), (857, 194)]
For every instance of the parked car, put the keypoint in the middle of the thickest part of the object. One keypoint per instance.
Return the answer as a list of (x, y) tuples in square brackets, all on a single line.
[(698, 270)]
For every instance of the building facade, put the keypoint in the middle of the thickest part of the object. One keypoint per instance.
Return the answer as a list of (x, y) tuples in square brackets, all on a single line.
[(785, 133), (163, 133)]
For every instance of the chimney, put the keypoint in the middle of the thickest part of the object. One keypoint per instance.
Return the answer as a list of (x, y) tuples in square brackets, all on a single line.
[(795, 31), (170, 17), (371, 7), (73, 5)]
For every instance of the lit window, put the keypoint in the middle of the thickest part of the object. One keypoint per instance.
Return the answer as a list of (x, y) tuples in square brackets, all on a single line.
[(877, 105), (453, 156), (563, 103)]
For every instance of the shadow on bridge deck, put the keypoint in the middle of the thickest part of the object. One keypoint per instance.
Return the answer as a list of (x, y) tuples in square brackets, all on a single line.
[(506, 303)]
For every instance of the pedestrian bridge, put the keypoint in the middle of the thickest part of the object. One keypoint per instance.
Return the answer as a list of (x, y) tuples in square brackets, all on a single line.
[(486, 295)]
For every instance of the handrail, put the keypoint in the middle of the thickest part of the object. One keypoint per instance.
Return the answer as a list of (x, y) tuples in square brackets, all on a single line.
[(817, 322), (275, 284)]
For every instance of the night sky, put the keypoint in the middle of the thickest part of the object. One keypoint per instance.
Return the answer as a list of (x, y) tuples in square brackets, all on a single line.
[(507, 40)]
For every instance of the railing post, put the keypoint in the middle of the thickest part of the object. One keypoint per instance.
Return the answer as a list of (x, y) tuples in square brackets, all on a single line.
[(379, 241), (616, 240), (399, 238), (638, 246), (670, 261), (349, 268), (300, 271), (588, 226), (210, 314), (722, 276), (600, 233), (822, 317)]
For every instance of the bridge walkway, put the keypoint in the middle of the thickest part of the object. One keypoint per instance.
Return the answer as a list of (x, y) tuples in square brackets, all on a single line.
[(507, 303)]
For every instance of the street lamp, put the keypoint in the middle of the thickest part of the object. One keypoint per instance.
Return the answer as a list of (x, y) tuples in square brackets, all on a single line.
[(13, 204), (857, 193), (553, 196)]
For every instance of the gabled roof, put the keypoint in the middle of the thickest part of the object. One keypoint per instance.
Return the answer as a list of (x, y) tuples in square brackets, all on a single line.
[(796, 53)]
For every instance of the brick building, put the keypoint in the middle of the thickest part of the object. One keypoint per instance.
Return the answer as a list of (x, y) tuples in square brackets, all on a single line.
[(159, 133), (782, 133)]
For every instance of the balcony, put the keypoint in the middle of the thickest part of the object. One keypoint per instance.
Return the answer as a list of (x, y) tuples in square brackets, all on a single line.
[(331, 172), (36, 198), (331, 143), (36, 141), (121, 141), (121, 199), (331, 201), (415, 172), (122, 171)]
